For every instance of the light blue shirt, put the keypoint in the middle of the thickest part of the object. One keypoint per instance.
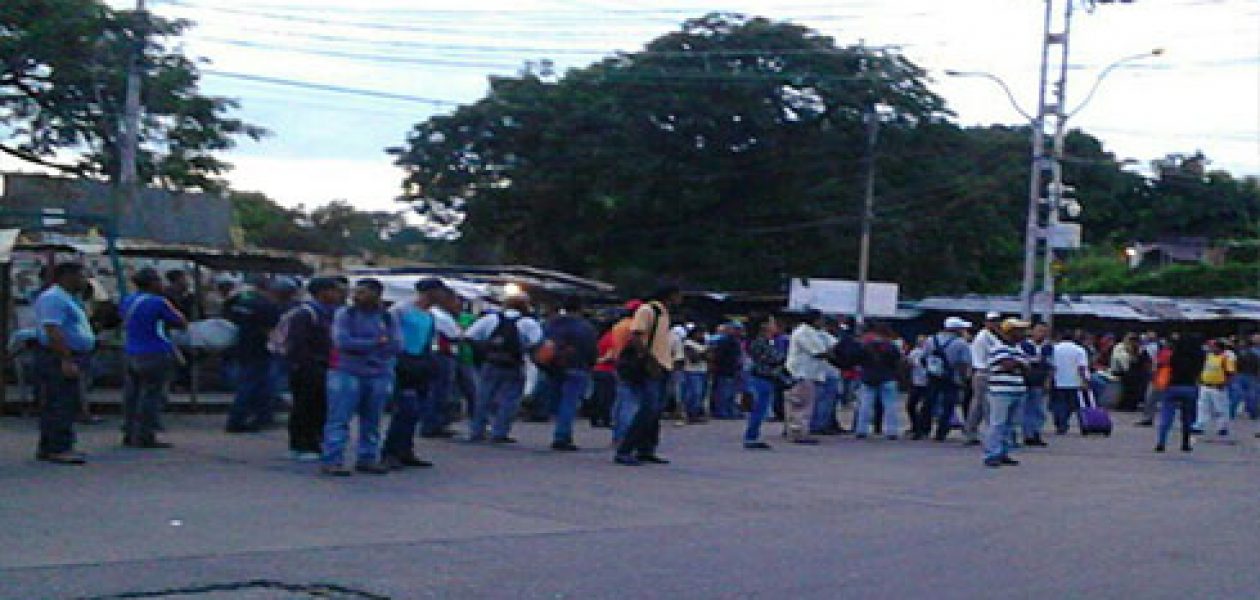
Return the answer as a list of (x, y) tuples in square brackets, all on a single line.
[(58, 308)]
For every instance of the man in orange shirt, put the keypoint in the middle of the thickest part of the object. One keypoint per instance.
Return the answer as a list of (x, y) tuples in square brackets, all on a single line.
[(644, 391)]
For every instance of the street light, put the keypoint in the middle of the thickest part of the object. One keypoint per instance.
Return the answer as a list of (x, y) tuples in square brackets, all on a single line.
[(1107, 71)]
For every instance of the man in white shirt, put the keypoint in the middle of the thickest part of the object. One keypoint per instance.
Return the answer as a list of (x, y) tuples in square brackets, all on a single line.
[(437, 414), (985, 341), (806, 361), (1071, 375), (504, 340)]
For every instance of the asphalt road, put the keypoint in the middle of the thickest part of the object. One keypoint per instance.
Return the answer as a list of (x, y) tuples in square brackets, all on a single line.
[(229, 517)]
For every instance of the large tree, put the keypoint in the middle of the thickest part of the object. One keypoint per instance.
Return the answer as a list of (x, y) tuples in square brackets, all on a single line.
[(62, 88)]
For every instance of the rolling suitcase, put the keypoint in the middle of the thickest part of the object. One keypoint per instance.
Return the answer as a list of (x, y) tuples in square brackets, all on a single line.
[(1094, 419)]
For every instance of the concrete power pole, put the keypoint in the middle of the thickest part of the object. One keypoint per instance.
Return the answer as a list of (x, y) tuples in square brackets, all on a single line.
[(129, 128), (1034, 233), (868, 214), (1056, 111)]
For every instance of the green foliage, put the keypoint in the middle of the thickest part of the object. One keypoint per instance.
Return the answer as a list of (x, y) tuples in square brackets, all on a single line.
[(1098, 276), (62, 88), (336, 228)]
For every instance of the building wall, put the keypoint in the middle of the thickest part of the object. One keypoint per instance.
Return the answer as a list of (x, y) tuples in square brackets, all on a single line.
[(157, 215)]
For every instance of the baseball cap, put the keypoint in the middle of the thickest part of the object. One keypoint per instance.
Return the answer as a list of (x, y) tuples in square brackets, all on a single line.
[(431, 284), (1012, 324), (957, 323), (284, 284), (993, 315)]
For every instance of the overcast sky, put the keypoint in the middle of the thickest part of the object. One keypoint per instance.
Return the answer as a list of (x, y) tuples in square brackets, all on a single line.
[(1203, 94)]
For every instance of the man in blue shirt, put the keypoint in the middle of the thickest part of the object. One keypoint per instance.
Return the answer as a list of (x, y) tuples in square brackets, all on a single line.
[(151, 358), (570, 369), (417, 369), (65, 339)]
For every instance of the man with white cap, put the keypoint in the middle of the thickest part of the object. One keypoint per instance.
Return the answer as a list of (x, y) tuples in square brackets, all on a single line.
[(947, 360), (985, 341)]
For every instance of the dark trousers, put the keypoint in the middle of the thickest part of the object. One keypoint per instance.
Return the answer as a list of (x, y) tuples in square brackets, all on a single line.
[(62, 396), (644, 434), (413, 398), (252, 406), (919, 411), (435, 404), (145, 385), (943, 398), (602, 397), (309, 385), (1133, 390), (776, 406), (1063, 402)]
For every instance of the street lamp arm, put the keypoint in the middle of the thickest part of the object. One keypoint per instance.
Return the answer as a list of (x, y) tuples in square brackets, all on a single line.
[(1002, 84), (1103, 76)]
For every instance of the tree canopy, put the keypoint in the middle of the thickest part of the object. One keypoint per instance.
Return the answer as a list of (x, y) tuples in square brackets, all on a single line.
[(62, 89)]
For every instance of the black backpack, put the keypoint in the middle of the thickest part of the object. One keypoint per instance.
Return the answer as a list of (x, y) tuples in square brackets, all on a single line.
[(503, 347)]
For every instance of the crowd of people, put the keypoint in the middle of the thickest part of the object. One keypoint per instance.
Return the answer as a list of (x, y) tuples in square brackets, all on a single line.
[(349, 358)]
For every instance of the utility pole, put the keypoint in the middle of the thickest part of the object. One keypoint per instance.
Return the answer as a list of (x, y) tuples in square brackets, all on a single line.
[(129, 129), (868, 213), (1033, 232), (1057, 111)]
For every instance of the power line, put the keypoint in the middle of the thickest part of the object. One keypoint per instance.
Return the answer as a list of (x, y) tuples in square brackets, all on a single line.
[(436, 62), (324, 87)]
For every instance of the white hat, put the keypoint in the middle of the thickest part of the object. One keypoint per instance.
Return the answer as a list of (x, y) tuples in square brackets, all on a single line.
[(957, 323)]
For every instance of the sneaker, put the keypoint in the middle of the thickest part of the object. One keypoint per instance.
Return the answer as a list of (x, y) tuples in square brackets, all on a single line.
[(564, 447), (335, 471), (756, 446), (409, 460), (68, 457), (1159, 448), (1144, 423), (993, 462), (1187, 448), (805, 441), (1035, 443), (626, 461), (1008, 461), (1223, 433), (891, 438), (152, 445), (503, 440), (372, 468), (972, 443), (652, 459)]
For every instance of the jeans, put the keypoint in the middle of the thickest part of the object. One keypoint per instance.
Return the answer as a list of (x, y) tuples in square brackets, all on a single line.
[(1064, 402), (603, 397), (919, 411), (145, 386), (763, 396), (943, 399), (644, 432), (62, 398), (1178, 398), (1034, 413), (1242, 393), (466, 386), (500, 392), (252, 405), (350, 396), (1213, 406), (824, 417), (693, 389), (1003, 414), (409, 401), (724, 389), (435, 405), (569, 387), (309, 384), (885, 393), (979, 405)]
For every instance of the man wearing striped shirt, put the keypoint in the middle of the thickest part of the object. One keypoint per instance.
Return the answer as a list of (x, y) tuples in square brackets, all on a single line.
[(1008, 367)]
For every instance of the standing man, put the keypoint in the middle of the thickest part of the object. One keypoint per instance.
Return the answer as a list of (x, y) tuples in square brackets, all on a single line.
[(1218, 369), (366, 342), (1006, 386), (151, 358), (1071, 379), (985, 341), (695, 375), (649, 340), (254, 315), (179, 291), (416, 370), (65, 340), (947, 360), (725, 363), (880, 363), (1040, 352), (808, 351), (504, 339), (436, 414), (308, 348), (570, 371)]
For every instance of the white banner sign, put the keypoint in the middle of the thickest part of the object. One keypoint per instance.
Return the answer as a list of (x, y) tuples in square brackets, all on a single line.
[(8, 239), (834, 296)]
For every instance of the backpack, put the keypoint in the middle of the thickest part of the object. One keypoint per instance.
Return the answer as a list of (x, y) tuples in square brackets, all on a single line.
[(847, 353), (936, 363), (503, 347), (1039, 368), (278, 339)]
